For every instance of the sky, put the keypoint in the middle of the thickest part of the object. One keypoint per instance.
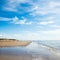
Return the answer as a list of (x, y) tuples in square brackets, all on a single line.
[(30, 19)]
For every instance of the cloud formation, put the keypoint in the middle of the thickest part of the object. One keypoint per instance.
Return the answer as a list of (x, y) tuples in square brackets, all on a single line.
[(46, 22), (22, 21), (40, 17)]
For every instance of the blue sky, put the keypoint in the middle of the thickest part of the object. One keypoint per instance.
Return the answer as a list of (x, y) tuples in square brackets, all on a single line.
[(30, 19)]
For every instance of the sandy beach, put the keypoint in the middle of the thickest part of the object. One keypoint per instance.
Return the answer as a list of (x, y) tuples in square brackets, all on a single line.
[(24, 57), (14, 57), (13, 42), (26, 50)]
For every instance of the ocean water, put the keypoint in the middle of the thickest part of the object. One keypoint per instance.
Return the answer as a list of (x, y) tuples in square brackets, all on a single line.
[(46, 48)]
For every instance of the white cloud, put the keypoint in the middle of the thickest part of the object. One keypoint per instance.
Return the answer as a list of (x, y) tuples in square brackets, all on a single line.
[(52, 34), (27, 36), (39, 35), (21, 22), (46, 22), (49, 10), (54, 4), (37, 8), (4, 19), (0, 35), (52, 7), (10, 9), (29, 23), (55, 26), (13, 5), (4, 35), (36, 35), (16, 20), (57, 31)]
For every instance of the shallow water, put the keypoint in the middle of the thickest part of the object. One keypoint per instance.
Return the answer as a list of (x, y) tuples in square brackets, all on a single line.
[(37, 50)]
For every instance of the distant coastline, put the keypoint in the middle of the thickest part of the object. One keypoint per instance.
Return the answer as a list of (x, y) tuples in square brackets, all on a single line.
[(13, 43)]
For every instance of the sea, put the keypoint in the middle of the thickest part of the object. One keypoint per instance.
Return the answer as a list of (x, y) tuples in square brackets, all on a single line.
[(46, 48)]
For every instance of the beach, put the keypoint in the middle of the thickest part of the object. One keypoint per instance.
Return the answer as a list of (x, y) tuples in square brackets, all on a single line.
[(35, 50), (25, 57), (13, 42), (21, 57), (14, 57)]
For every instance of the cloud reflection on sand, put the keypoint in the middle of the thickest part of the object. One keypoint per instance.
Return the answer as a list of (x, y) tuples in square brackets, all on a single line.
[(34, 46)]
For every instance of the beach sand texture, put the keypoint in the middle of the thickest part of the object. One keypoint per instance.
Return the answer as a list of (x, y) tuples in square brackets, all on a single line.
[(12, 42), (24, 57)]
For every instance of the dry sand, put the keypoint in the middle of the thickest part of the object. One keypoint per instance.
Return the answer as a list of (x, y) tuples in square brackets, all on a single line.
[(12, 42)]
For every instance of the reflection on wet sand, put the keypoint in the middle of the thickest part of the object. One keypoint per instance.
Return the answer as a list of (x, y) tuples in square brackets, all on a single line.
[(15, 57), (44, 52), (39, 57), (51, 49), (25, 57)]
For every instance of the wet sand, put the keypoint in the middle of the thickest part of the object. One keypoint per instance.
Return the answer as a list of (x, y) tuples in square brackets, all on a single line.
[(15, 57), (23, 53), (24, 57)]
